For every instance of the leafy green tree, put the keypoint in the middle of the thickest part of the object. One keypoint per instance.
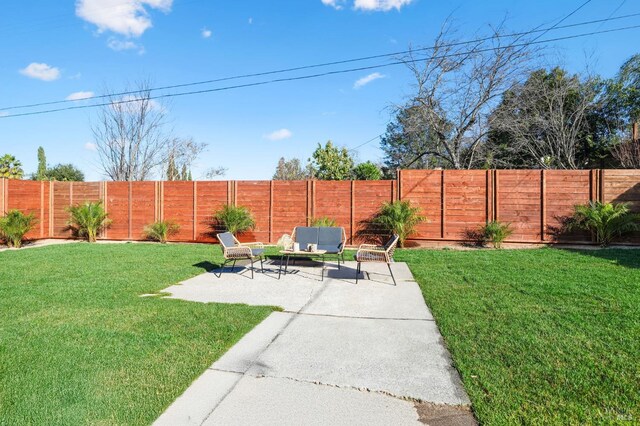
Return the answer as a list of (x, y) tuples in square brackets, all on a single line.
[(367, 171), (64, 173), (291, 170), (10, 167), (41, 174), (331, 163)]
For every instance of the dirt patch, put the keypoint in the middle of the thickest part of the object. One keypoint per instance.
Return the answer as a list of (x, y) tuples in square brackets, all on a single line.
[(445, 415)]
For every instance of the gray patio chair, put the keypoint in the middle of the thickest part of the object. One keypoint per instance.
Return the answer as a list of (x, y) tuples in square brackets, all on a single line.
[(233, 250), (375, 254)]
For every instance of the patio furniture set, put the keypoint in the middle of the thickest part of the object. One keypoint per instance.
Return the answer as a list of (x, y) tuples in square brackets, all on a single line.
[(306, 242)]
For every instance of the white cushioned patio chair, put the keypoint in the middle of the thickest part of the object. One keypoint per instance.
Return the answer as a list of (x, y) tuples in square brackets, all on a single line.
[(233, 250), (377, 254)]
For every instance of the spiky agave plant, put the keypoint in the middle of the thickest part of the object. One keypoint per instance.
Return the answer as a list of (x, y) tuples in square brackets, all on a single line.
[(605, 221), (14, 225), (161, 231), (399, 218), (88, 219), (235, 219), (322, 222)]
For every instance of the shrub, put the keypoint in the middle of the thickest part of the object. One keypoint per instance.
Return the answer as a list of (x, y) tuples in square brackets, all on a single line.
[(323, 221), (88, 219), (235, 219), (14, 225), (495, 232), (161, 231), (399, 218), (605, 221)]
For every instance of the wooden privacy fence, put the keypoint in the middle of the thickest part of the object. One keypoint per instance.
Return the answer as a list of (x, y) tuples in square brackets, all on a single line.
[(534, 202)]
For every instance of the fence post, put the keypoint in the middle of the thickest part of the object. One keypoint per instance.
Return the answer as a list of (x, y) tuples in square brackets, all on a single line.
[(602, 186), (399, 184), (271, 211), (543, 204), (496, 195), (353, 208), (2, 196), (130, 212), (442, 204), (487, 198), (195, 210), (51, 210), (41, 209)]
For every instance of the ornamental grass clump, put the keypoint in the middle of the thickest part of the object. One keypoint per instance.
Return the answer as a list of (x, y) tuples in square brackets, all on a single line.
[(323, 222), (399, 218), (495, 232), (14, 226), (88, 219), (605, 221), (161, 231), (234, 219)]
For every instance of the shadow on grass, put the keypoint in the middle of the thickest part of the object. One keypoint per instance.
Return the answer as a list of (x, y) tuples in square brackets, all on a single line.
[(627, 257), (207, 266)]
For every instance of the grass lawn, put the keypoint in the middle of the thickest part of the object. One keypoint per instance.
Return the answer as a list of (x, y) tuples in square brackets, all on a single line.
[(540, 336), (79, 346)]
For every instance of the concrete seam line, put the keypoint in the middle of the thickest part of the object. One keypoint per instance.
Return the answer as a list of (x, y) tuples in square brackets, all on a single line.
[(354, 317)]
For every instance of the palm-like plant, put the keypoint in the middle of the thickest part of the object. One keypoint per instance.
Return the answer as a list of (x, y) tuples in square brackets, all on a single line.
[(399, 218), (496, 232), (235, 219), (161, 231), (88, 219), (322, 222), (605, 221), (14, 225)]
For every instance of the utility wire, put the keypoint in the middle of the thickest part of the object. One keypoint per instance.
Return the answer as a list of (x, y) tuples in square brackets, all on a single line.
[(311, 76), (320, 65)]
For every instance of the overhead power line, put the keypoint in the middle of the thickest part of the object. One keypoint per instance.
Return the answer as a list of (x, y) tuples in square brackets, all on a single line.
[(320, 65), (310, 76)]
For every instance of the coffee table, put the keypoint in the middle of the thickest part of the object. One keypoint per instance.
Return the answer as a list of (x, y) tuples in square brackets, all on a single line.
[(301, 253)]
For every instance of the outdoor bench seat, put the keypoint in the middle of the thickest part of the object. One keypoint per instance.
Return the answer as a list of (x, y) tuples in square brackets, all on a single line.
[(332, 239)]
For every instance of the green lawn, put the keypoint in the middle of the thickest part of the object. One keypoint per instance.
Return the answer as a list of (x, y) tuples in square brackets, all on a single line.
[(79, 346), (540, 336)]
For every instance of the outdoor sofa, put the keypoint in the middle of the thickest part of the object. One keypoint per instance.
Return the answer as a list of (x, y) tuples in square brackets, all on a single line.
[(332, 239)]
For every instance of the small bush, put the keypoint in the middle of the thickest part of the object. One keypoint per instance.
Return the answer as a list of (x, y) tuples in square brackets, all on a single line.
[(605, 221), (88, 219), (323, 221), (399, 218), (495, 232), (161, 231), (234, 219), (14, 225)]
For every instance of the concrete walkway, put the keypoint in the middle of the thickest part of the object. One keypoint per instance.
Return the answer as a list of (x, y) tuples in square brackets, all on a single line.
[(340, 353)]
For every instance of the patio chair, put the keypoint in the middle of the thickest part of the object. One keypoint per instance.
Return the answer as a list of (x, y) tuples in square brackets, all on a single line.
[(375, 254), (233, 250)]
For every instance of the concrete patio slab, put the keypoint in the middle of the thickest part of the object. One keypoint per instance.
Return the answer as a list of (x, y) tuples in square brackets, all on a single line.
[(403, 358), (341, 353), (268, 401)]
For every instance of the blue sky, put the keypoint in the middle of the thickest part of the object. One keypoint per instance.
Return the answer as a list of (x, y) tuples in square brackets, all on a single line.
[(52, 50)]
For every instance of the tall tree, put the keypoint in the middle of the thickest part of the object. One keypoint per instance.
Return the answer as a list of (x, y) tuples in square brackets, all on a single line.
[(130, 134), (331, 163), (172, 170), (367, 171), (64, 173), (10, 167), (456, 86), (41, 174), (291, 170), (544, 121)]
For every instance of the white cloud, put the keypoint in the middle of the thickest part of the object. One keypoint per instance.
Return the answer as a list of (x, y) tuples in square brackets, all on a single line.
[(78, 96), (369, 5), (367, 79), (4, 114), (42, 72), (90, 146), (120, 45), (206, 33), (126, 17), (336, 4), (250, 21), (279, 135)]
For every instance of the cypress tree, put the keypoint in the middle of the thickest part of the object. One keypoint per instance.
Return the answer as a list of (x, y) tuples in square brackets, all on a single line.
[(42, 165)]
